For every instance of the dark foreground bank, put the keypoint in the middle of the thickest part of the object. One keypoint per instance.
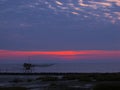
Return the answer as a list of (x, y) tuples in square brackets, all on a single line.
[(59, 81)]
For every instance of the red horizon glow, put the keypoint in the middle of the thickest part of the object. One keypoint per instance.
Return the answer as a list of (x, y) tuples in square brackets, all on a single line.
[(67, 54)]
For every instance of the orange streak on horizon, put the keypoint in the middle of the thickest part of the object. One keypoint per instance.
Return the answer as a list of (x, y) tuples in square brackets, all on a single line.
[(62, 54)]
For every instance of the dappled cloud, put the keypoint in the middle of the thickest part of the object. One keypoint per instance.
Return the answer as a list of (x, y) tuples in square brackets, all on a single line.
[(100, 9)]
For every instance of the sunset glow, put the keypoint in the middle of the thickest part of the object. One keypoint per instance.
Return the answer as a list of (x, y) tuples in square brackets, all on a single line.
[(79, 54)]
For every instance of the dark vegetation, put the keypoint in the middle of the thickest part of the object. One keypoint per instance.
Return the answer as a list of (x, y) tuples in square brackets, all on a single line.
[(93, 77), (20, 80), (16, 80), (54, 86), (72, 76), (108, 86), (100, 81), (13, 88), (48, 78), (81, 76)]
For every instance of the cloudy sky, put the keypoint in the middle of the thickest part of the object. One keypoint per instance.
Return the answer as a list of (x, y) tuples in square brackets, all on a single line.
[(60, 29)]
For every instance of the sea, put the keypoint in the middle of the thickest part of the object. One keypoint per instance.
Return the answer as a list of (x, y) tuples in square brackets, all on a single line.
[(81, 67)]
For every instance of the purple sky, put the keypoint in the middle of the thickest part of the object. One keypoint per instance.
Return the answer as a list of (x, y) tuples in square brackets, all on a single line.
[(58, 26)]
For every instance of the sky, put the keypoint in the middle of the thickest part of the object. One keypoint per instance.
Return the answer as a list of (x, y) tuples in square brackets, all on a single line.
[(63, 30)]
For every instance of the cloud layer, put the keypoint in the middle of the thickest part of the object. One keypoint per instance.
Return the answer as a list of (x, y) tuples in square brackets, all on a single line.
[(107, 10)]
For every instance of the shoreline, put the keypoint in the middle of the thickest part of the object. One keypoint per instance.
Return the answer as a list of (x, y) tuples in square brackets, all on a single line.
[(58, 73)]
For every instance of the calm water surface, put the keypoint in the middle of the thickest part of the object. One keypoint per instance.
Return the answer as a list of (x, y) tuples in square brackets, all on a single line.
[(66, 67)]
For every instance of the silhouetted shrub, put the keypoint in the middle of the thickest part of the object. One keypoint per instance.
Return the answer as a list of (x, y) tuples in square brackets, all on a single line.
[(47, 78), (13, 88), (54, 86), (77, 77), (29, 80), (17, 80), (107, 86)]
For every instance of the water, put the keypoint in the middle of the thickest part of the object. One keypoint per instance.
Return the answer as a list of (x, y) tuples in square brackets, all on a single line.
[(66, 67)]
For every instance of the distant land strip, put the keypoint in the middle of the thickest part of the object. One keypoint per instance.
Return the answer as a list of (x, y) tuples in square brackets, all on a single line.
[(52, 73)]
